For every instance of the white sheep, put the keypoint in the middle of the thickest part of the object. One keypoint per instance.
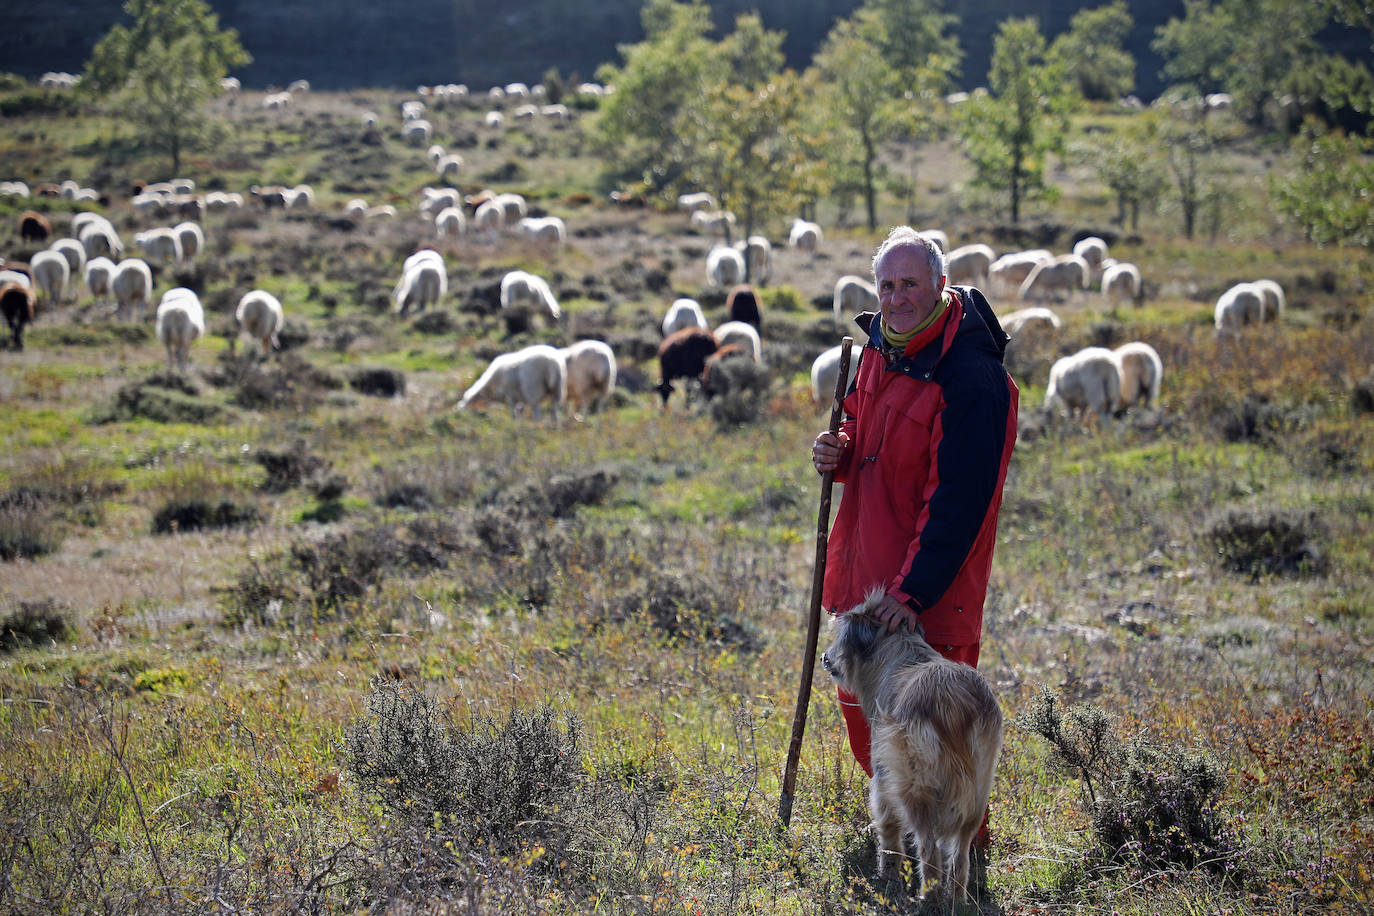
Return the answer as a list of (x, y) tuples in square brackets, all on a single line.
[(14, 276), (938, 237), (1064, 274), (805, 236), (713, 220), (758, 253), (525, 112), (855, 294), (724, 267), (412, 110), (72, 250), (493, 119), (259, 315), (450, 223), (825, 372), (434, 154), (591, 369), (512, 206), (683, 313), (355, 208), (51, 275), (1241, 305), (1093, 251), (520, 289), (525, 378), (160, 244), (1141, 372), (1274, 302), (436, 199), (222, 201), (180, 322), (99, 238), (741, 334), (132, 288), (416, 132), (301, 197), (423, 283), (698, 200), (1036, 319), (489, 218), (99, 275), (192, 239), (1088, 380), (968, 265), (448, 166), (1121, 284), (384, 211), (546, 230), (1007, 273)]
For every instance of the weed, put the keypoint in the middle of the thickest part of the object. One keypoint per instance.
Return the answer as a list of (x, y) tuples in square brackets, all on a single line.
[(197, 513), (34, 623)]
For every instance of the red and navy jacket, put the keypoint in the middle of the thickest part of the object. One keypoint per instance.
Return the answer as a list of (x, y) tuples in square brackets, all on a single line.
[(931, 434)]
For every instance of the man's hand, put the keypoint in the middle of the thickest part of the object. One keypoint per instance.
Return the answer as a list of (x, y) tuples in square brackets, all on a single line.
[(893, 614), (827, 449)]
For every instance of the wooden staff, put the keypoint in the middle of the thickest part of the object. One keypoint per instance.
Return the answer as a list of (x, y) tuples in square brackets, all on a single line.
[(813, 625)]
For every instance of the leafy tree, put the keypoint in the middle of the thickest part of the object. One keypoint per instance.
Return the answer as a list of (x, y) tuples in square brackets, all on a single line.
[(1093, 55), (1009, 133), (1189, 142), (753, 53), (160, 70), (1127, 162), (1320, 192)]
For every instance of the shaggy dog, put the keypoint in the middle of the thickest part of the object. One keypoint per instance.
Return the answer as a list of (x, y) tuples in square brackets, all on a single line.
[(936, 733)]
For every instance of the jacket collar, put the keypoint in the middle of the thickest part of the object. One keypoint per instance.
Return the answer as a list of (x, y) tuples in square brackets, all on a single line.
[(920, 364)]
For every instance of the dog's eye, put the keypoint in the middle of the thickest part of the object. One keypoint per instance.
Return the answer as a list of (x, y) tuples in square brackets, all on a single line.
[(825, 663)]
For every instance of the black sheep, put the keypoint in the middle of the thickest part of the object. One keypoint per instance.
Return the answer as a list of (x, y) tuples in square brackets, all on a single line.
[(683, 355)]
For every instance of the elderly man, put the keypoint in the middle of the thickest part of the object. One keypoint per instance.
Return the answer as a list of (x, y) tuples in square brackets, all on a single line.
[(923, 452)]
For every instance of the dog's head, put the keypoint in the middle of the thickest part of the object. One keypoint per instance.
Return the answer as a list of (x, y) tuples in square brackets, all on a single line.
[(854, 637)]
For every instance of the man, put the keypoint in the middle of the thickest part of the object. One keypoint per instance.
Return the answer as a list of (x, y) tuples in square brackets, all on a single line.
[(923, 453)]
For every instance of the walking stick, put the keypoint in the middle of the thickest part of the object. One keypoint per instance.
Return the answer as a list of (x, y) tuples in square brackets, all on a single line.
[(813, 625)]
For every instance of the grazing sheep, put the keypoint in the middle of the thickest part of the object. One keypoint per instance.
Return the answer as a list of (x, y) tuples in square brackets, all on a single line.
[(743, 305), (423, 283), (301, 197), (1274, 302), (1063, 274), (180, 322), (17, 305), (758, 252), (493, 119), (512, 206), (683, 354), (298, 86), (132, 287), (724, 267), (434, 154), (805, 236), (99, 274), (51, 274), (968, 265), (1141, 371), (450, 223), (416, 132), (1007, 273), (222, 201), (355, 208), (16, 272), (683, 313), (521, 290), (1088, 380), (34, 226), (699, 200), (1241, 305), (489, 218), (72, 250), (1121, 283), (1035, 319), (259, 316), (192, 239), (436, 199), (160, 245), (99, 238), (938, 237), (546, 230), (740, 334), (384, 211), (1093, 251), (709, 221), (825, 371), (270, 196), (855, 294), (525, 112), (525, 378), (591, 371), (448, 166)]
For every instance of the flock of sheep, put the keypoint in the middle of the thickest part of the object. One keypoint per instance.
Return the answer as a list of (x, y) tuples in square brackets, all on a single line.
[(582, 375)]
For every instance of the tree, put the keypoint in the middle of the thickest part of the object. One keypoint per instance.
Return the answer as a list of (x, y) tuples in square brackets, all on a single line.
[(1321, 191), (1127, 162), (1009, 133), (160, 70), (1189, 142), (1093, 55), (753, 54)]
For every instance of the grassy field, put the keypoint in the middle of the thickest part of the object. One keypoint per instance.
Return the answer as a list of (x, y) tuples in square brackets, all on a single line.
[(274, 641)]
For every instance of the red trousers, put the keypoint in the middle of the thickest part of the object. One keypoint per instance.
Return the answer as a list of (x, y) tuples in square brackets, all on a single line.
[(857, 725)]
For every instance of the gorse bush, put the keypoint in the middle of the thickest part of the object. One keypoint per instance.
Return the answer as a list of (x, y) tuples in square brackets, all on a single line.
[(1150, 804)]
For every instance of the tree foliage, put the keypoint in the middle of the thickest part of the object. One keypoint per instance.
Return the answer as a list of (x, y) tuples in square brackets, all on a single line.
[(1327, 190), (211, 55), (1127, 162), (1093, 55)]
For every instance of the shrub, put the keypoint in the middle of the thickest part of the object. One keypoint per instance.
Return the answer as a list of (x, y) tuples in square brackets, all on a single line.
[(166, 397), (739, 391), (561, 494), (378, 381), (33, 623), (197, 513), (288, 468), (27, 528), (692, 608), (1362, 395), (1256, 542)]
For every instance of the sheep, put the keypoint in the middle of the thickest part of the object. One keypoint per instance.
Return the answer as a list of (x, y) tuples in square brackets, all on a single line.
[(132, 287), (17, 305), (270, 196), (938, 237), (370, 119), (521, 290), (742, 335), (525, 378), (180, 322), (298, 86), (99, 274), (724, 267), (355, 208), (221, 201), (805, 236), (512, 206), (743, 305), (412, 110), (16, 272), (525, 112), (192, 239), (384, 211), (1036, 319), (99, 238), (416, 132), (591, 371), (1088, 380), (1007, 273), (683, 313), (301, 197), (1093, 251), (423, 283), (758, 252), (1241, 305), (968, 265), (434, 154), (1066, 273), (854, 293), (1141, 371), (699, 200), (1121, 283), (230, 85), (557, 112), (259, 314), (34, 226), (546, 230), (716, 381), (72, 250), (51, 274), (276, 101), (1272, 294), (450, 223), (493, 119), (448, 166), (436, 199), (489, 218), (683, 354), (709, 221), (517, 90), (14, 188), (160, 245), (825, 371)]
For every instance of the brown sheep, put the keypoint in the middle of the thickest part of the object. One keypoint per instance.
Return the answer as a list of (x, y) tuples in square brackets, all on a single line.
[(34, 226), (743, 305), (683, 355), (16, 303)]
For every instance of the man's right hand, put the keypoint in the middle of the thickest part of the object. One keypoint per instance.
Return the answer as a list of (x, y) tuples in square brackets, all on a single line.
[(827, 449)]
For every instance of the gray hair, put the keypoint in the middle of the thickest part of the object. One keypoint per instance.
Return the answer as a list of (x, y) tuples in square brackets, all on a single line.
[(906, 237)]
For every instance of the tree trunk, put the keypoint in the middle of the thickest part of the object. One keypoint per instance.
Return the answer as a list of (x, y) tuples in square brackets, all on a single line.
[(870, 192)]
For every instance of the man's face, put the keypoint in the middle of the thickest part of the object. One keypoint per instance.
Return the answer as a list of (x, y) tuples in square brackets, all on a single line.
[(907, 293)]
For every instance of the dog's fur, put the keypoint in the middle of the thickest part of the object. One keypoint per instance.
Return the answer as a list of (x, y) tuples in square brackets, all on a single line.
[(936, 734)]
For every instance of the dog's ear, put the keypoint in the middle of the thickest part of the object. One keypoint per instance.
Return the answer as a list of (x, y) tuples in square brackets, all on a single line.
[(860, 634)]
